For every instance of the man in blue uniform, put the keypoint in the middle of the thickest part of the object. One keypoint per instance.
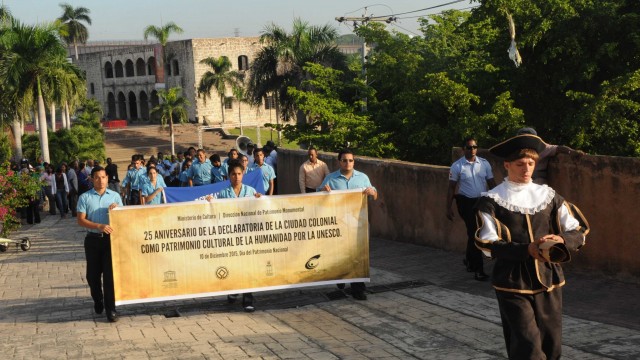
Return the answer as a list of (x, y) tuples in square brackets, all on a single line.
[(472, 176), (93, 214), (134, 180), (200, 171), (349, 178)]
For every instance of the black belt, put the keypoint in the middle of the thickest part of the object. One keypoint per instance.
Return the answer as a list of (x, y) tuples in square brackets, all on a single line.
[(136, 190), (98, 235), (309, 190)]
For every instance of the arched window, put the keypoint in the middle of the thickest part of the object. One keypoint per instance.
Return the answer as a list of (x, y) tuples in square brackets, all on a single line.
[(133, 105), (151, 66), (140, 67), (128, 67), (243, 62), (167, 69), (119, 70), (176, 69), (155, 100), (108, 70), (122, 106), (144, 105)]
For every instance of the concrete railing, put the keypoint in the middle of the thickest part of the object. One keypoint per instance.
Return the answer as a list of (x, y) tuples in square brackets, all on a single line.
[(412, 202)]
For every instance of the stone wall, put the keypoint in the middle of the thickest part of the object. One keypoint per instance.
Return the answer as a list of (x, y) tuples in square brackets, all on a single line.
[(412, 202)]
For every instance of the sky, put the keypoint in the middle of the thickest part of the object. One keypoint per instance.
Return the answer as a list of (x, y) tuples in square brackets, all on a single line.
[(126, 19)]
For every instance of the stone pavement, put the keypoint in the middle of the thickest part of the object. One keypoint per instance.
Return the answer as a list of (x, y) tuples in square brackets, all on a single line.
[(422, 305)]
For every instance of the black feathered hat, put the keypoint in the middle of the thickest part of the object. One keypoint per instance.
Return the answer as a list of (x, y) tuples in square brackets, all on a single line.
[(516, 143)]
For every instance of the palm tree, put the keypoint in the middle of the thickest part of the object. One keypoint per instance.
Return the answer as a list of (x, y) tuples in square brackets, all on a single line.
[(279, 64), (240, 94), (218, 78), (172, 106), (31, 54), (76, 31), (162, 35)]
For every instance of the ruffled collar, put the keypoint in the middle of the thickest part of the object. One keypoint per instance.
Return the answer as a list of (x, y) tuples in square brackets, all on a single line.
[(522, 198)]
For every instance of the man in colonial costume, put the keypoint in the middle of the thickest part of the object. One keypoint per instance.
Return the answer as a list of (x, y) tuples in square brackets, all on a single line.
[(529, 230)]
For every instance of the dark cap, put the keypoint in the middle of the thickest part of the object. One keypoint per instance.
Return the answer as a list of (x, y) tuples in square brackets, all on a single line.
[(516, 143)]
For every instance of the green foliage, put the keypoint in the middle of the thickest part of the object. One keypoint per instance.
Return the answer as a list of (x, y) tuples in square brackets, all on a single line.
[(85, 140), (5, 148), (332, 124), (16, 189)]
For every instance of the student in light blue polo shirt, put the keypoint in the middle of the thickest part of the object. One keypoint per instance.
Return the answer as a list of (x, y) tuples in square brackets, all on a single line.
[(349, 178), (216, 170), (133, 181), (153, 188), (268, 174), (93, 214), (237, 190), (200, 171)]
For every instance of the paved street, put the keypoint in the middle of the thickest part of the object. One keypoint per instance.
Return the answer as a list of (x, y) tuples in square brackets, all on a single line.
[(422, 305)]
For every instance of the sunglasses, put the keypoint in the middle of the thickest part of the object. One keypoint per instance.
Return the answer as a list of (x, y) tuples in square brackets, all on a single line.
[(471, 147), (346, 160)]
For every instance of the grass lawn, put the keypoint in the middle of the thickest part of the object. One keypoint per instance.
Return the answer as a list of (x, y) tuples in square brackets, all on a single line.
[(266, 134)]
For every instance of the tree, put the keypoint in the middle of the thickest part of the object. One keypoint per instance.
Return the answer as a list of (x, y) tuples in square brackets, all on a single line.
[(218, 78), (161, 34), (75, 29), (32, 56), (280, 63), (333, 123), (172, 106)]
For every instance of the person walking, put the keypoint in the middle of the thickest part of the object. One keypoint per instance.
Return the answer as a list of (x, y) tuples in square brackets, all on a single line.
[(93, 214), (349, 178), (529, 230), (472, 176)]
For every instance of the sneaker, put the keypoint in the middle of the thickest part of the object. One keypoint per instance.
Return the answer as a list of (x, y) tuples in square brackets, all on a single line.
[(98, 307), (249, 308), (232, 298)]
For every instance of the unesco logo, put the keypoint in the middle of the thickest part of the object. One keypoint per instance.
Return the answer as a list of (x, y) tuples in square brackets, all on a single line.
[(312, 263), (222, 273)]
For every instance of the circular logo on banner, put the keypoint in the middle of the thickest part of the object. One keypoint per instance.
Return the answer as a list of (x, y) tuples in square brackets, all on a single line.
[(222, 273), (312, 263)]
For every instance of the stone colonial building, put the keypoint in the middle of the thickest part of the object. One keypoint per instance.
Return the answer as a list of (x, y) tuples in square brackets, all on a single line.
[(126, 79)]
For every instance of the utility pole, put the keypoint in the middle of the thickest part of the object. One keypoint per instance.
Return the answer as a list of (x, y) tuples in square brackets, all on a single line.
[(363, 20)]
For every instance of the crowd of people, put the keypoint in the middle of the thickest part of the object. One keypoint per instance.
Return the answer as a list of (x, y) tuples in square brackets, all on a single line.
[(523, 224)]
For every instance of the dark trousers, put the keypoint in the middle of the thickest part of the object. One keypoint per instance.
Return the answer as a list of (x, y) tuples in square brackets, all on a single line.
[(61, 201), (33, 211), (465, 209), (134, 197), (532, 324), (99, 269), (309, 190), (73, 201)]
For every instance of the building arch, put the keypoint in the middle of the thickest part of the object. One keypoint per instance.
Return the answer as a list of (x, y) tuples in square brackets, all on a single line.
[(111, 106), (155, 101), (243, 62), (151, 66), (144, 105), (176, 68), (133, 105), (140, 67), (119, 70), (128, 68), (122, 106), (108, 70)]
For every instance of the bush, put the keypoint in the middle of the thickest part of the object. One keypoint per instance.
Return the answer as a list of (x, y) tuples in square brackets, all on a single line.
[(16, 189)]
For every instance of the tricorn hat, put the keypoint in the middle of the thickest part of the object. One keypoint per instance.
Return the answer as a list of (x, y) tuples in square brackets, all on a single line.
[(554, 251), (525, 141)]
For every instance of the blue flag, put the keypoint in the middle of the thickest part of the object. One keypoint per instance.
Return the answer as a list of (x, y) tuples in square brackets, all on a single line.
[(180, 194)]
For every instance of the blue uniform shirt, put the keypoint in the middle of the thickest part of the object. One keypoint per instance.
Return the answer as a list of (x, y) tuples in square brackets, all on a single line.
[(217, 174), (337, 181), (148, 189), (268, 173), (471, 177), (96, 206), (199, 172), (228, 193), (136, 177)]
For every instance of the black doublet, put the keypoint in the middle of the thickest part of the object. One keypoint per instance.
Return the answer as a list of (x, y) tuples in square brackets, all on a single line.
[(514, 270)]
